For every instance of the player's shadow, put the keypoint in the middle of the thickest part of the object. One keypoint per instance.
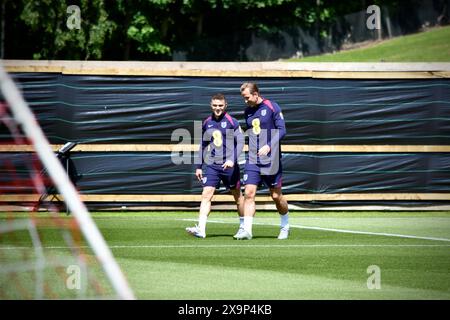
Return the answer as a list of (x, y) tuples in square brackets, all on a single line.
[(264, 237), (231, 236), (220, 236)]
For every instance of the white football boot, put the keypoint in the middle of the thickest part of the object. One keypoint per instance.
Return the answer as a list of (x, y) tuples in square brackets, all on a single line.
[(243, 235), (284, 233), (238, 232), (195, 231)]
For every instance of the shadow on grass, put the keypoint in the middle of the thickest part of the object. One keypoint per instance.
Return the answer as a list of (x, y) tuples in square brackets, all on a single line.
[(231, 236)]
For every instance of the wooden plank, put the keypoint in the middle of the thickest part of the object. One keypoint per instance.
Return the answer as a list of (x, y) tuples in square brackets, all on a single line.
[(346, 70), (228, 198), (260, 198), (231, 66), (380, 74), (191, 73), (365, 148), (194, 148), (19, 197), (358, 66)]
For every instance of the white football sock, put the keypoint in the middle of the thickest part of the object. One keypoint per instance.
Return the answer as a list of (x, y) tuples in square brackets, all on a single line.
[(248, 223), (284, 220), (202, 222)]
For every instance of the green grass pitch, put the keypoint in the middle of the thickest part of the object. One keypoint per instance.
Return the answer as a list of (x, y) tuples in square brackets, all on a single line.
[(326, 257)]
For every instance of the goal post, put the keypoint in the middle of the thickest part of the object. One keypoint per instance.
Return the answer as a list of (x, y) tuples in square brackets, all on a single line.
[(24, 117)]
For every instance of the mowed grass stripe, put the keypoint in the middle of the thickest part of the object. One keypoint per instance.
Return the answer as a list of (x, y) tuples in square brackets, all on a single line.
[(185, 281)]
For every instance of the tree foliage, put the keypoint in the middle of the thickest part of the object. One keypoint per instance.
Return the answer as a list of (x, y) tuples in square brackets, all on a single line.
[(161, 29), (46, 20)]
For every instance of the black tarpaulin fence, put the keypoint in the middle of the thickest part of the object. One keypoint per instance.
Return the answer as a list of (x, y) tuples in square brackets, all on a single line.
[(137, 110)]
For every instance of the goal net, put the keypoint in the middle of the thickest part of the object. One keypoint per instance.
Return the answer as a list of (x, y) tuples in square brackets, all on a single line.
[(44, 253)]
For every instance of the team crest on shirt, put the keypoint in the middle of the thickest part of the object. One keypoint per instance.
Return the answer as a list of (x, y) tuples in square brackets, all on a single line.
[(223, 124), (263, 112), (204, 179), (245, 177)]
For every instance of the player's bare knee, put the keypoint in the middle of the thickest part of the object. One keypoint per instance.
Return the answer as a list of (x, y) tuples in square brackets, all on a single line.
[(206, 198), (250, 195), (275, 197), (207, 195)]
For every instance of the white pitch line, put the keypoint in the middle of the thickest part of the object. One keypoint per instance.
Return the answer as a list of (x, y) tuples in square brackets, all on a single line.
[(374, 233), (341, 231)]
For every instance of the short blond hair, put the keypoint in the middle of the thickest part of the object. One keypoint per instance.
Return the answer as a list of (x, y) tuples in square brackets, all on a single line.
[(251, 86)]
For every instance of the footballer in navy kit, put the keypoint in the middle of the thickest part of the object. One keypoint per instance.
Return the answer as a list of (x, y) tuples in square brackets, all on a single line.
[(265, 128), (222, 143)]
